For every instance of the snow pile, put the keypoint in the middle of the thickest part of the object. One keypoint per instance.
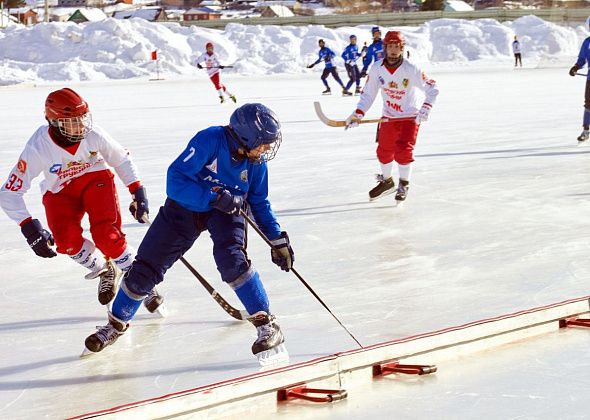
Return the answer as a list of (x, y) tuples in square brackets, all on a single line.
[(121, 49)]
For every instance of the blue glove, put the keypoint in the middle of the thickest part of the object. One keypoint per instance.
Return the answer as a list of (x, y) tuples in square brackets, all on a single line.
[(228, 203), (139, 206), (38, 238), (282, 254)]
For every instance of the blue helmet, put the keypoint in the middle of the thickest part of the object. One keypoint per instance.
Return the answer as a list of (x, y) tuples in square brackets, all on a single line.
[(375, 29), (254, 125)]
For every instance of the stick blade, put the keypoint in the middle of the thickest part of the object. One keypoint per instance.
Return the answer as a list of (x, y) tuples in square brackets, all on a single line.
[(326, 120)]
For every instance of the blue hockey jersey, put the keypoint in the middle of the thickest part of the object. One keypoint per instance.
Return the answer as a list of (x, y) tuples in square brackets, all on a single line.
[(584, 55), (351, 54), (326, 55), (208, 162), (374, 53)]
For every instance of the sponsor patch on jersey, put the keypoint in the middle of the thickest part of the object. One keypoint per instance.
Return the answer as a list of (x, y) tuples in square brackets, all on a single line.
[(380, 80), (55, 168), (21, 166), (244, 175), (93, 153), (74, 163), (405, 83), (393, 85), (213, 166)]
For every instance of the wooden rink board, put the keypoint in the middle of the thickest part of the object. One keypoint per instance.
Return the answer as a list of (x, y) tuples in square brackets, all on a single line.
[(351, 369)]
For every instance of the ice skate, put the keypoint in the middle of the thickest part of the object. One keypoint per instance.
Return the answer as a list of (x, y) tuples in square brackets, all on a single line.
[(345, 92), (357, 91), (327, 92), (104, 336), (269, 348), (384, 187), (109, 275), (402, 190), (154, 302), (584, 136), (221, 99), (233, 98)]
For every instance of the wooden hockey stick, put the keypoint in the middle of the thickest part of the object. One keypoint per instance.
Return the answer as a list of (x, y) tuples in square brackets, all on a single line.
[(238, 314), (342, 123)]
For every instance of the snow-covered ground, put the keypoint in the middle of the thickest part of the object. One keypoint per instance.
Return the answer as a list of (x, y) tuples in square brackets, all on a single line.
[(495, 222), (121, 49)]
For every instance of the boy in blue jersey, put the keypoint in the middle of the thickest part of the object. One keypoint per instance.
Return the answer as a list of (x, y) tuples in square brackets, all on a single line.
[(222, 170), (326, 55), (584, 58), (374, 52), (350, 55)]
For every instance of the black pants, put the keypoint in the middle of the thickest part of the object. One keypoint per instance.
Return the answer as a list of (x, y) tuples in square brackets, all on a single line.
[(334, 73), (354, 75), (517, 59)]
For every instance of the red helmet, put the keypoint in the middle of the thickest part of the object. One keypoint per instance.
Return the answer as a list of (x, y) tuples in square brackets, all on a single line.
[(64, 103), (209, 45), (68, 113), (394, 37)]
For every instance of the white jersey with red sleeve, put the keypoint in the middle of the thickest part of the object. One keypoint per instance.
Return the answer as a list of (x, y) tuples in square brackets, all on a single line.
[(59, 167), (211, 63), (403, 91)]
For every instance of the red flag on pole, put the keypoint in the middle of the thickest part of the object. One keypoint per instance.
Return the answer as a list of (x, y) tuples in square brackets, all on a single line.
[(155, 55)]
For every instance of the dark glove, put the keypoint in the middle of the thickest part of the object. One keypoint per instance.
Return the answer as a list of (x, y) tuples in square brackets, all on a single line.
[(139, 206), (363, 73), (310, 66), (574, 70), (282, 254), (38, 238), (199, 66), (228, 203), (222, 67)]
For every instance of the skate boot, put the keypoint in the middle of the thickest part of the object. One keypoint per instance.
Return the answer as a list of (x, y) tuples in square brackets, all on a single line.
[(357, 91), (327, 92), (384, 187), (154, 302), (402, 190), (233, 98), (104, 336), (221, 99), (269, 347), (584, 136), (108, 283), (345, 92)]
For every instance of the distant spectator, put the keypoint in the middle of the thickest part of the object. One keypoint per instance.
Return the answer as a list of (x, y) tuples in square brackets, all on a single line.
[(516, 51)]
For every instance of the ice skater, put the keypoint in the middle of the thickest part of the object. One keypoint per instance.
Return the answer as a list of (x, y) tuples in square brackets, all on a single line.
[(73, 154), (222, 170), (402, 85), (374, 52), (516, 51), (211, 60), (326, 55), (351, 55), (584, 59)]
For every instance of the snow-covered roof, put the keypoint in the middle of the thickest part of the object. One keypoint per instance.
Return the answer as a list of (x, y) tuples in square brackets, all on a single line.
[(281, 11), (118, 7), (7, 20), (210, 3), (457, 6), (92, 14), (149, 14), (201, 10)]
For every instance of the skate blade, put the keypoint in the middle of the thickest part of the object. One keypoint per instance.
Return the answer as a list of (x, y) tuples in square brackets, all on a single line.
[(162, 311), (273, 357), (382, 195), (86, 353), (399, 203)]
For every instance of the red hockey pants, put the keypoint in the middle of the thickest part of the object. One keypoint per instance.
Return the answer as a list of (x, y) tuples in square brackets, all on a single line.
[(95, 194), (215, 78), (396, 141)]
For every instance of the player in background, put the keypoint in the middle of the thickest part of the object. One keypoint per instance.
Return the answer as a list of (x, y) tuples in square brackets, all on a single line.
[(374, 52), (408, 96), (350, 55), (326, 55), (222, 170), (583, 59), (516, 51), (73, 154), (211, 63)]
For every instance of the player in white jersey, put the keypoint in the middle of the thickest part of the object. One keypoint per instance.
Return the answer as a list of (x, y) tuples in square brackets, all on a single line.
[(408, 96), (213, 66), (73, 154)]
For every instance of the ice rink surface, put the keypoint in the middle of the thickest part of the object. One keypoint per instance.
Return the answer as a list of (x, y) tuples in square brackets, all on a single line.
[(496, 221)]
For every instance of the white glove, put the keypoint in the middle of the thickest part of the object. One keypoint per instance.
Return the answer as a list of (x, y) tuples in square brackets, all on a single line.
[(423, 113), (354, 119)]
